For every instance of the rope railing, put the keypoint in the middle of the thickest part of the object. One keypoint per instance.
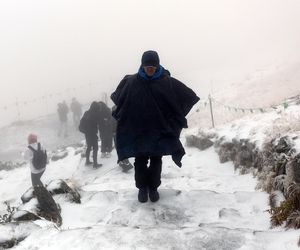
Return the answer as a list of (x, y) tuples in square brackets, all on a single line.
[(37, 106), (72, 91), (285, 103), (212, 103)]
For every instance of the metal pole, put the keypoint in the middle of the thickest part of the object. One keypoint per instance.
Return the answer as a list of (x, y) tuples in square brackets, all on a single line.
[(18, 109), (211, 111)]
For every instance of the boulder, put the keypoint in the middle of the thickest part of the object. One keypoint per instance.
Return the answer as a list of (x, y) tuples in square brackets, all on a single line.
[(15, 232), (199, 142), (28, 195), (48, 209), (22, 215), (61, 187), (10, 243)]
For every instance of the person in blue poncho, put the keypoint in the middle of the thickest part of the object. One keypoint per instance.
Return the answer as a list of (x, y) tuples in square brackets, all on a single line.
[(150, 114)]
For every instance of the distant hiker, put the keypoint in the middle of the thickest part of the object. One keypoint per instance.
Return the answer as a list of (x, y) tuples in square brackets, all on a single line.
[(150, 114), (37, 158), (77, 111), (105, 130), (124, 164), (63, 110), (89, 126)]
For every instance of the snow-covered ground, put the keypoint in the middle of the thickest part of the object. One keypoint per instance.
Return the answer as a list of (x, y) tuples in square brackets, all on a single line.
[(204, 205)]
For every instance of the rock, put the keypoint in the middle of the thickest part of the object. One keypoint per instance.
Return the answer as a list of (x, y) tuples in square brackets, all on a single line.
[(15, 232), (24, 216), (61, 187), (10, 243), (47, 206), (28, 195), (199, 142)]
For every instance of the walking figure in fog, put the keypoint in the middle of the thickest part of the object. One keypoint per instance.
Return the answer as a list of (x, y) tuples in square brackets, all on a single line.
[(76, 110), (63, 110), (89, 125), (150, 114)]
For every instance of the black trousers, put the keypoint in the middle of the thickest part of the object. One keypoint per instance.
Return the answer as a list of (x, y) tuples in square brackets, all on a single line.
[(148, 177), (91, 142), (36, 179), (106, 141)]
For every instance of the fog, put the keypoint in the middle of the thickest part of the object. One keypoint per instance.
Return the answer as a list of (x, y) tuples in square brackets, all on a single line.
[(55, 49)]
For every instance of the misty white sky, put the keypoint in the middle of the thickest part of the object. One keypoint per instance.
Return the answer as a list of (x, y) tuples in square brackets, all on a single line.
[(48, 45)]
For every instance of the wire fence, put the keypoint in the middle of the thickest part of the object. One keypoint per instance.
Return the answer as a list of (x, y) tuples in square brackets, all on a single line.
[(215, 112), (47, 104)]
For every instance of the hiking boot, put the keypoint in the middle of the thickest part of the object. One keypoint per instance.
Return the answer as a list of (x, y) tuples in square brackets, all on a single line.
[(97, 165), (87, 163), (126, 166), (153, 195), (143, 195)]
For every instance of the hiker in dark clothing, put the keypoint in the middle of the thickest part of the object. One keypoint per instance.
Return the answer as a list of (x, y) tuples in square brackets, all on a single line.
[(63, 110), (89, 126), (150, 114), (77, 111), (105, 130)]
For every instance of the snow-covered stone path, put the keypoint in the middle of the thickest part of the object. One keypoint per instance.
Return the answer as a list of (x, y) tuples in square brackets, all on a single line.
[(204, 205)]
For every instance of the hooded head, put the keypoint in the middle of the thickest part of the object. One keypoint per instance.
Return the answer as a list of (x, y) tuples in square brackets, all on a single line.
[(32, 138), (150, 58), (94, 108)]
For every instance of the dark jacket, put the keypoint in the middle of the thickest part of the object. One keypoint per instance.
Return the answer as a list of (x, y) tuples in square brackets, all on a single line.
[(150, 115), (104, 118), (90, 121)]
